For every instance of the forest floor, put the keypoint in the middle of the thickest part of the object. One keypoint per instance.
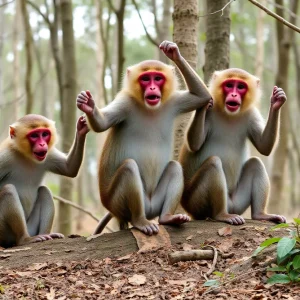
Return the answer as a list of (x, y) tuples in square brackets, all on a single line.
[(110, 266)]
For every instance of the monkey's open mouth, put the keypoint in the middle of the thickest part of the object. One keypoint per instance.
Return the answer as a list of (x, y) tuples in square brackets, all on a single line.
[(40, 155), (232, 105), (152, 99)]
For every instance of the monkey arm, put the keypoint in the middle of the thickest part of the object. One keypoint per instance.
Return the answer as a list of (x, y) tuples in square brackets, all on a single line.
[(67, 165), (198, 94), (102, 119), (263, 136), (197, 131)]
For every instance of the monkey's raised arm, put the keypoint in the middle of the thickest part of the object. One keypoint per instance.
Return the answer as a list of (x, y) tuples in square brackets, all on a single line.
[(101, 119), (197, 131), (68, 165), (198, 94), (264, 138)]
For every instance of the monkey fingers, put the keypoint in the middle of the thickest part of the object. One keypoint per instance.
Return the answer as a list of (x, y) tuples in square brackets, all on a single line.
[(145, 226), (56, 235), (270, 217), (178, 219), (35, 239), (232, 219)]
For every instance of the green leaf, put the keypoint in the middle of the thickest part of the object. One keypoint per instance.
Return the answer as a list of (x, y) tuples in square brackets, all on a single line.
[(212, 282), (296, 262), (219, 274), (284, 246), (281, 225), (297, 221), (279, 278), (277, 269), (270, 241), (259, 249), (288, 266), (294, 275)]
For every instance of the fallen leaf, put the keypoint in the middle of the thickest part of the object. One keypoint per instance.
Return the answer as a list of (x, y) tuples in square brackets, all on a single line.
[(186, 247), (123, 258), (189, 237), (137, 279), (226, 245), (37, 266), (177, 282), (224, 231), (51, 294), (260, 228), (24, 274)]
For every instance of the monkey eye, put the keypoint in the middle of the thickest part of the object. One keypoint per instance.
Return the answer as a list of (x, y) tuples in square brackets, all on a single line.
[(241, 86), (34, 135), (157, 78), (45, 134), (145, 78), (229, 85)]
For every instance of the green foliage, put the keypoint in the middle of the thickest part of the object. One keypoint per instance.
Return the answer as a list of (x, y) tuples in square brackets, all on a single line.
[(212, 283), (288, 257)]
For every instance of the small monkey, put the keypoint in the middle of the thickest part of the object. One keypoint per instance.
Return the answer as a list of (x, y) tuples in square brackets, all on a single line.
[(221, 181), (26, 207), (138, 181)]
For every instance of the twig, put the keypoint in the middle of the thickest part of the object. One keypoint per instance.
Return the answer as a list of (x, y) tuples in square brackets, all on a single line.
[(213, 266), (76, 206), (152, 40), (215, 12), (283, 8), (190, 255), (8, 2), (277, 17), (37, 9)]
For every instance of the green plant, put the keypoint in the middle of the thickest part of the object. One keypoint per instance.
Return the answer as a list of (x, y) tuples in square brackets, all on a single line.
[(288, 254)]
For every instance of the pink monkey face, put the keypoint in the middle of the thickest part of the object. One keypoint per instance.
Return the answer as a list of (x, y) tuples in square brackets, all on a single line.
[(234, 91), (39, 140), (152, 83)]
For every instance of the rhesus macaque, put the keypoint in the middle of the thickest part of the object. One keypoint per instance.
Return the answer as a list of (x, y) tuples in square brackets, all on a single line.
[(138, 181), (26, 207), (221, 181)]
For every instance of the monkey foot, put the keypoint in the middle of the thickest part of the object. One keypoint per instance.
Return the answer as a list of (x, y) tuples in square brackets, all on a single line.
[(55, 235), (232, 219), (169, 219), (270, 217), (35, 239), (145, 226)]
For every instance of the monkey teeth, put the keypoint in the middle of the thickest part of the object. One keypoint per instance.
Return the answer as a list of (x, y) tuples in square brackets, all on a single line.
[(153, 99), (40, 155), (232, 106)]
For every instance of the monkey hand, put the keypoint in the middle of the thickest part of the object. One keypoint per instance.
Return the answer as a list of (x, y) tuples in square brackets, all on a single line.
[(170, 49), (278, 98), (85, 102), (82, 127)]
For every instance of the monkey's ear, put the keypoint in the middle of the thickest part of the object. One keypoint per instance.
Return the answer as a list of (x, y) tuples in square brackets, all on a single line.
[(128, 72), (12, 132)]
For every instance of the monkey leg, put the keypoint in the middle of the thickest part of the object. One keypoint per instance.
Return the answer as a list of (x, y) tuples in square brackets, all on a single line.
[(206, 194), (41, 218), (167, 196), (253, 188), (126, 197), (13, 228)]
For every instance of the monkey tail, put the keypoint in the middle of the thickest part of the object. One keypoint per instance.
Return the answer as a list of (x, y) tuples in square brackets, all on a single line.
[(103, 222), (123, 224)]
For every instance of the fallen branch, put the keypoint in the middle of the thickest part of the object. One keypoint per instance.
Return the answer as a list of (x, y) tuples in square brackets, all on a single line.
[(213, 266), (277, 17), (190, 255)]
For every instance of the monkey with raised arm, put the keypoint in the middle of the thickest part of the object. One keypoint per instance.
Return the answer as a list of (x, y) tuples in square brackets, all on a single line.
[(221, 181), (26, 207), (138, 181)]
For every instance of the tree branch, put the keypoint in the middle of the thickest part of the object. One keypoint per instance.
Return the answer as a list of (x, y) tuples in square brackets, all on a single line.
[(8, 2), (37, 9), (215, 12), (277, 17), (112, 7), (152, 40)]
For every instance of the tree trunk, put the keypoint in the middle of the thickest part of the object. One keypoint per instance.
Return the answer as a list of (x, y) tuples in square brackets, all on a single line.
[(186, 20), (68, 107), (284, 42), (28, 49), (217, 47), (16, 61)]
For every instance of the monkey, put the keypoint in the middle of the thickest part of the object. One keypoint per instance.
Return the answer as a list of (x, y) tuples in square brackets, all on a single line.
[(221, 181), (26, 207), (138, 180)]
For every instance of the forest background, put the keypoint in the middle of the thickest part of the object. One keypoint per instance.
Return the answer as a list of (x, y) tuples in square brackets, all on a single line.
[(50, 50)]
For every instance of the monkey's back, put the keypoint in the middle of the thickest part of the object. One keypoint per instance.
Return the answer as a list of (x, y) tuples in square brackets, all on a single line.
[(145, 138), (226, 139)]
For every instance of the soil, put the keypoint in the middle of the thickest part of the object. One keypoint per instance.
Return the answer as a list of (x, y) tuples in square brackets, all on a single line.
[(110, 267)]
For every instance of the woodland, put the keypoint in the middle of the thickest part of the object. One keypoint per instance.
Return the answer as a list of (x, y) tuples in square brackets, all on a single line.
[(50, 50)]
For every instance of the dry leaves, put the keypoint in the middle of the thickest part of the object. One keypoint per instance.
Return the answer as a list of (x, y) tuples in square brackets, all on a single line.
[(225, 231), (137, 279)]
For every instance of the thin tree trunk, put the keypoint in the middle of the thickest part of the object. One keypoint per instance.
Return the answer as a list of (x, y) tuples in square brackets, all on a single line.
[(217, 47), (80, 202), (16, 61), (186, 21), (284, 42), (68, 107), (28, 49)]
